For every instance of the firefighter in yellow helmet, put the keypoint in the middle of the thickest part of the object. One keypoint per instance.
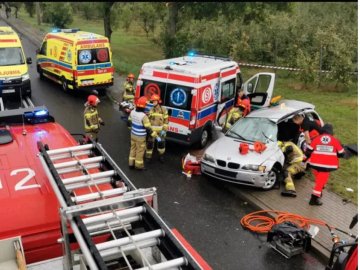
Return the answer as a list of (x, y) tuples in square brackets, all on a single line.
[(129, 88), (158, 117), (293, 165), (140, 128), (92, 121)]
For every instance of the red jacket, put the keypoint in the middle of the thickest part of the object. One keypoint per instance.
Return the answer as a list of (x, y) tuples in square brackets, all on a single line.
[(325, 150)]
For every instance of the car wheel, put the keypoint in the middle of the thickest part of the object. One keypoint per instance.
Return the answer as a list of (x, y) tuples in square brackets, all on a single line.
[(64, 84), (204, 138), (41, 73), (272, 179)]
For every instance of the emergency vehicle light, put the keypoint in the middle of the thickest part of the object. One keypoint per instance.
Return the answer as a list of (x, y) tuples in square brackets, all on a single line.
[(55, 30), (191, 53), (41, 113)]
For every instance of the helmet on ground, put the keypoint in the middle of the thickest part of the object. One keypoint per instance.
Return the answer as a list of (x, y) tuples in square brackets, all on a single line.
[(141, 102), (155, 97), (131, 76), (93, 100)]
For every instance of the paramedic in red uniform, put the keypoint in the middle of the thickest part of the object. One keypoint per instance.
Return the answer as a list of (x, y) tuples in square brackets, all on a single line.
[(324, 151), (310, 128)]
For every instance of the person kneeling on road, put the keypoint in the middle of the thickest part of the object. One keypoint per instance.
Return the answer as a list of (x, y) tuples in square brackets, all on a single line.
[(140, 128), (293, 165), (158, 117)]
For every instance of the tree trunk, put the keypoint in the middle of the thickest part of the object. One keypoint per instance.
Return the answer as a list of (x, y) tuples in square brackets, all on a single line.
[(16, 12), (38, 15), (173, 8), (107, 19)]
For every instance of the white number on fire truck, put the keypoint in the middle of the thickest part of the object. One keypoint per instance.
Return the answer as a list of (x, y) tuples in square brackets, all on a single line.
[(22, 182)]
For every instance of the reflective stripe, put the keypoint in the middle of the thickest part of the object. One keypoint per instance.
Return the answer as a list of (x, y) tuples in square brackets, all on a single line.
[(315, 192), (341, 151), (308, 146), (139, 162), (137, 126), (325, 153), (323, 166)]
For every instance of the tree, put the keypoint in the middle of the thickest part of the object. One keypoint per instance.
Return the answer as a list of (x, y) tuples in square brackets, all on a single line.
[(88, 10), (58, 13), (110, 19), (30, 8), (148, 16)]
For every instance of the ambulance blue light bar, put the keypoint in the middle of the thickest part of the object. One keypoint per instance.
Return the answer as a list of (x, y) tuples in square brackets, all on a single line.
[(41, 113), (191, 53)]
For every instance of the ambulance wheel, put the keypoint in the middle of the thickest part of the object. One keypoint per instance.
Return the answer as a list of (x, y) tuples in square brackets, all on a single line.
[(41, 74), (64, 84), (204, 138)]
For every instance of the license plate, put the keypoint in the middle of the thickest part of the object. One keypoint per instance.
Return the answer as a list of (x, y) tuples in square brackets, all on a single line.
[(87, 82), (5, 91)]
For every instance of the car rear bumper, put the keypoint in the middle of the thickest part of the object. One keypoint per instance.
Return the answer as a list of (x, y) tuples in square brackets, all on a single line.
[(249, 178)]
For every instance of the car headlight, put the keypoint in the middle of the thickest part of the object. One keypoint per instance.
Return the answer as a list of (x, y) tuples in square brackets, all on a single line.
[(257, 168), (25, 77), (209, 158)]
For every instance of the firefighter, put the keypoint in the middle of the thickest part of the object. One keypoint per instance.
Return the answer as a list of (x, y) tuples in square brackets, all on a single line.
[(129, 89), (241, 109), (158, 117), (92, 121), (323, 151), (140, 127), (293, 165), (310, 128)]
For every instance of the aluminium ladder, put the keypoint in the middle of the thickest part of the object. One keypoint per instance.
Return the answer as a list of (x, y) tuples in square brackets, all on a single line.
[(98, 201)]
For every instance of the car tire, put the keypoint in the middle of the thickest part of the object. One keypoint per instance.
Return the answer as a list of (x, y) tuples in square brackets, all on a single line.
[(41, 73), (64, 84), (204, 138), (272, 179)]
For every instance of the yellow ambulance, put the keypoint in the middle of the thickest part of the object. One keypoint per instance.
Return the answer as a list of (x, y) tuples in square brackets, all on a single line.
[(14, 73), (76, 60)]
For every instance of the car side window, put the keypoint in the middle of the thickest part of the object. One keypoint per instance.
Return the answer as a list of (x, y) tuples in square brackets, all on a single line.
[(312, 116), (43, 48), (227, 90)]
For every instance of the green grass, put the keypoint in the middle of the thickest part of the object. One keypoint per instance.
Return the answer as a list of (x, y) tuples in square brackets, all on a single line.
[(132, 49)]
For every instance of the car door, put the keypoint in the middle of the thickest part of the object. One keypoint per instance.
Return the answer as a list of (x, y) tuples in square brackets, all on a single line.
[(260, 89)]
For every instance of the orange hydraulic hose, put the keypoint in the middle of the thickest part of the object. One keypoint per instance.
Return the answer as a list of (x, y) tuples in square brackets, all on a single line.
[(260, 222)]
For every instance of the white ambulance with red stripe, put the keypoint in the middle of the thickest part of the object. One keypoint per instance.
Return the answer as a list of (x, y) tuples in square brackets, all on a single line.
[(76, 59), (195, 89)]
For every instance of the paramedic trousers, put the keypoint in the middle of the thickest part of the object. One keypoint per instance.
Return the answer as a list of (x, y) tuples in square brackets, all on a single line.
[(321, 179), (150, 144), (292, 170), (137, 151)]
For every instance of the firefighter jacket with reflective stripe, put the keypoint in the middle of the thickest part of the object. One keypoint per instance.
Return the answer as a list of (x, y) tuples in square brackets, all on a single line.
[(129, 90), (159, 118), (91, 119), (295, 156), (139, 123), (325, 150), (234, 115)]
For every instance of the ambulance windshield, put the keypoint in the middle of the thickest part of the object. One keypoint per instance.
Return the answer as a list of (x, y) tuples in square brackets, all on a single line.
[(172, 95), (11, 56), (93, 56)]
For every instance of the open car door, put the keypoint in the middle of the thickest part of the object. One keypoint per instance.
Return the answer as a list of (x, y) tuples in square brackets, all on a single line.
[(259, 89)]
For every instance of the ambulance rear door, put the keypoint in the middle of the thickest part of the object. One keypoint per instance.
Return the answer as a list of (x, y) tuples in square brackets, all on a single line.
[(260, 89), (225, 92)]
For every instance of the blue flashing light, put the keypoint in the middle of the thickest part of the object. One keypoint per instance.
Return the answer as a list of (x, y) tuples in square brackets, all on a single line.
[(191, 53), (172, 63), (55, 30), (41, 113)]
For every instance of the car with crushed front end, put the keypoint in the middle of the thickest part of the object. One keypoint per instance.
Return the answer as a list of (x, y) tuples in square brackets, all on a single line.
[(223, 161)]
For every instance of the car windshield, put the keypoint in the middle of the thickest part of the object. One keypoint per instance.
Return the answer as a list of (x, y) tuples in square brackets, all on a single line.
[(11, 56), (254, 129)]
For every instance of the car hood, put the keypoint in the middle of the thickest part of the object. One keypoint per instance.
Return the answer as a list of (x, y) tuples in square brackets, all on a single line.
[(227, 149)]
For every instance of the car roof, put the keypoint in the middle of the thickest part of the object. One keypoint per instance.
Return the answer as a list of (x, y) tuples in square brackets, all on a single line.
[(284, 109)]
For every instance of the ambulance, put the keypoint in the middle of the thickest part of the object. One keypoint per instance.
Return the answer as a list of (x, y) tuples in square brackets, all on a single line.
[(14, 73), (76, 60), (198, 90)]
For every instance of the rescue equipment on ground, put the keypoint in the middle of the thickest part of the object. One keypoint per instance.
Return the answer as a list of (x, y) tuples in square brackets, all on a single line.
[(258, 147), (190, 165), (287, 239)]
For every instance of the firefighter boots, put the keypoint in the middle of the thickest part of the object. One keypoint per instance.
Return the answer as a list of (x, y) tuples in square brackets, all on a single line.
[(315, 200)]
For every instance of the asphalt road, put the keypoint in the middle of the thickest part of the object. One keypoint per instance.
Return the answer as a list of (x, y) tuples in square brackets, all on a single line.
[(203, 210)]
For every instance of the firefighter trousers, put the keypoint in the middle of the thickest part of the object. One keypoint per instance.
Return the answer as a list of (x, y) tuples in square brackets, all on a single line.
[(93, 135), (150, 145), (292, 170), (321, 179), (137, 150)]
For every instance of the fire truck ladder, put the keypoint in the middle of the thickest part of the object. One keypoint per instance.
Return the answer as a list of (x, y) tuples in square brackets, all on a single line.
[(135, 235)]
